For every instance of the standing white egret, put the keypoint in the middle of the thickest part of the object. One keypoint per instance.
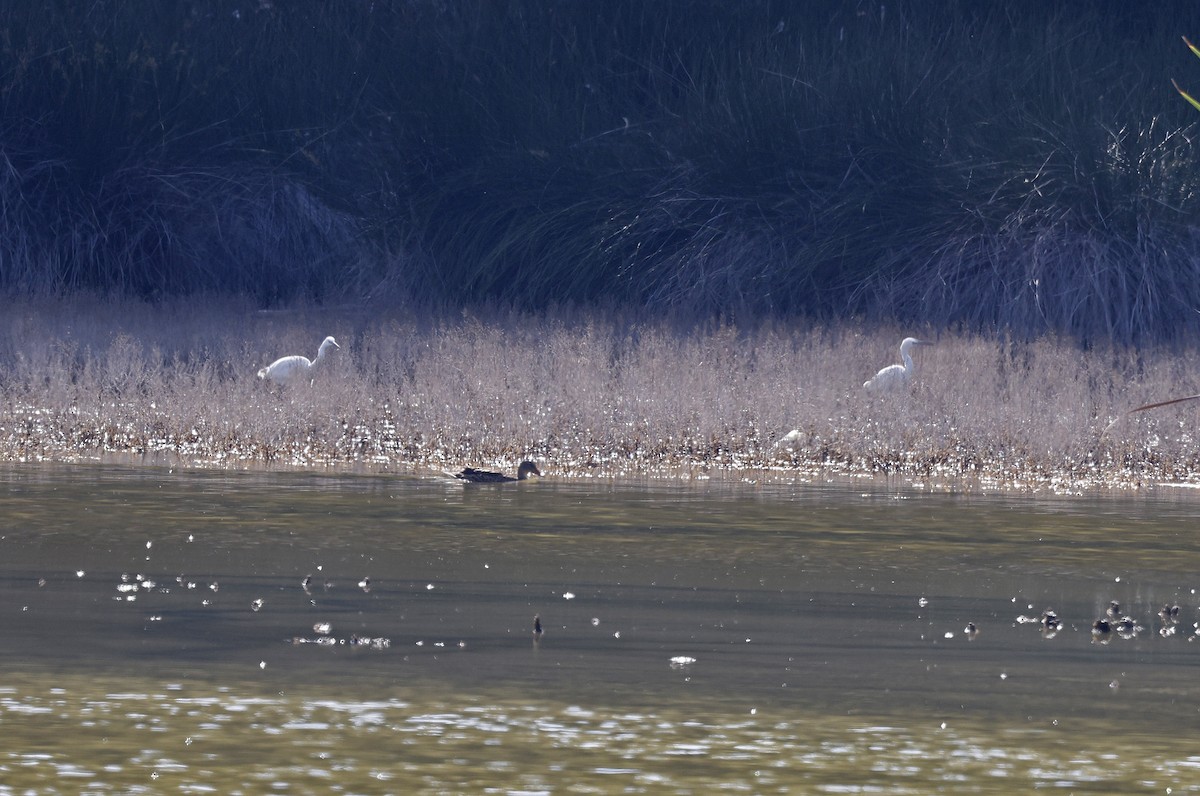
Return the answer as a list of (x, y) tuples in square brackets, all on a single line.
[(894, 376), (788, 439), (294, 369)]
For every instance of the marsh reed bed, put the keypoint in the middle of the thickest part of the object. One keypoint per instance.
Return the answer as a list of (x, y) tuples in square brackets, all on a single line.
[(585, 394)]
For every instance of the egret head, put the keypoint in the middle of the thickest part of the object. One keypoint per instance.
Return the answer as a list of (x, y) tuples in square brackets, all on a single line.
[(908, 342)]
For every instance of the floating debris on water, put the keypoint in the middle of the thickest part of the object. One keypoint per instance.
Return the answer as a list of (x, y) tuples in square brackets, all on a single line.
[(370, 643), (1050, 621), (1169, 616), (320, 641), (1127, 627), (354, 640)]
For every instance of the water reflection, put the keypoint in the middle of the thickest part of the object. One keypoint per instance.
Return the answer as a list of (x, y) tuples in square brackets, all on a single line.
[(189, 739), (376, 633)]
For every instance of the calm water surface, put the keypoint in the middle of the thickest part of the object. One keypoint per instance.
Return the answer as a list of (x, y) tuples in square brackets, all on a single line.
[(202, 632)]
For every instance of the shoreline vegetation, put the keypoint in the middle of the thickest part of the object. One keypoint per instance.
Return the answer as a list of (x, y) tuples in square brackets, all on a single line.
[(935, 163), (618, 238), (585, 394)]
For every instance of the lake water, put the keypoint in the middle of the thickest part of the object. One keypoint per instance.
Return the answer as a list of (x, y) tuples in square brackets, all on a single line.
[(208, 632)]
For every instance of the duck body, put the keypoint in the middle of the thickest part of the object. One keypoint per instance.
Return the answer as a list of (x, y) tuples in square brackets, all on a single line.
[(294, 369), (475, 476)]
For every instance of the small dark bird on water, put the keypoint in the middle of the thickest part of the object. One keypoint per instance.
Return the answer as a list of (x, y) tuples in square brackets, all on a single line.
[(524, 470), (537, 626)]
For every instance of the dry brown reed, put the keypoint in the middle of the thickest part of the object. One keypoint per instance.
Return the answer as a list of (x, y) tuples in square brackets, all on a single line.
[(583, 393)]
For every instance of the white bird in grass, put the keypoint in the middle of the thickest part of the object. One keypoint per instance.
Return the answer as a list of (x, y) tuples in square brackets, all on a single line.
[(788, 440), (894, 376), (289, 370)]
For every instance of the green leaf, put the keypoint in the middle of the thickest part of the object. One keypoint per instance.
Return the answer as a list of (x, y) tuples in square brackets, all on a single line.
[(1186, 96), (1195, 51)]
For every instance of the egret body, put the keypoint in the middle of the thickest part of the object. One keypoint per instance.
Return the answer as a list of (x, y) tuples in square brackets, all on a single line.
[(894, 376), (294, 369), (789, 439)]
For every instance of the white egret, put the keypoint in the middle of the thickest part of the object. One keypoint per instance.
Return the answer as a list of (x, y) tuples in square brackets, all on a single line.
[(894, 376), (788, 439), (524, 470), (293, 369)]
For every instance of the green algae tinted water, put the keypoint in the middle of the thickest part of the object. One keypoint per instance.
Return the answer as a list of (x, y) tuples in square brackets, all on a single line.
[(202, 632)]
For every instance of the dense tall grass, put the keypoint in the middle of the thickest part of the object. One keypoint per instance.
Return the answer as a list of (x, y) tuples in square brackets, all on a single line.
[(584, 394), (1024, 167)]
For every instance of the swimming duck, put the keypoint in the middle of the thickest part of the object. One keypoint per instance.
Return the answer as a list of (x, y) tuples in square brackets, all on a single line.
[(524, 470)]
